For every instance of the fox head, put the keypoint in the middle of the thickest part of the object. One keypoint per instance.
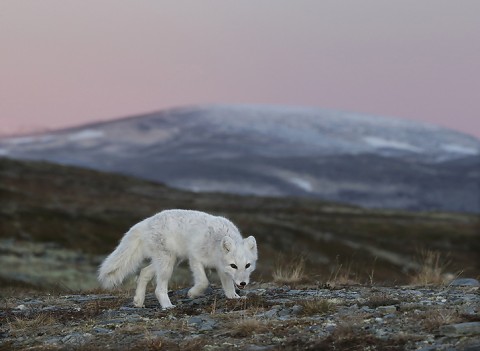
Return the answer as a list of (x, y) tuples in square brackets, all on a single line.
[(239, 259)]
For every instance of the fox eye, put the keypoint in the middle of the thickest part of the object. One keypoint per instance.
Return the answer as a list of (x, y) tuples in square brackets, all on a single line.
[(248, 265), (234, 266)]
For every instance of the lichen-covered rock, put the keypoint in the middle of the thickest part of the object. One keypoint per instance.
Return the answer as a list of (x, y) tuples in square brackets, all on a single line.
[(270, 318), (472, 328), (465, 282)]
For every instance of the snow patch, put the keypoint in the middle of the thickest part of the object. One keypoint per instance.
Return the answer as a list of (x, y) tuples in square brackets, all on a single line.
[(460, 149), (85, 134), (30, 139), (21, 140), (390, 144), (46, 138), (302, 183)]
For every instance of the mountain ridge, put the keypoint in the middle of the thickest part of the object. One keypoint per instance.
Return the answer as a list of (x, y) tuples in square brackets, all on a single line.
[(277, 151)]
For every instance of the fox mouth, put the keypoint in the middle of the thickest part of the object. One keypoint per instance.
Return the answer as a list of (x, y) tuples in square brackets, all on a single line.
[(241, 287)]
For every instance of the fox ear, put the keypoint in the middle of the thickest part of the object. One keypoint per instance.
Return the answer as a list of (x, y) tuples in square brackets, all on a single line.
[(251, 243), (227, 244)]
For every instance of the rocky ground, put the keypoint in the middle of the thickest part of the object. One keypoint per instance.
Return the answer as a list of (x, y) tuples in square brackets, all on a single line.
[(333, 277), (269, 317)]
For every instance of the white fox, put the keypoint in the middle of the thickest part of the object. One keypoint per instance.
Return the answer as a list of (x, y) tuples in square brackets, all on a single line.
[(175, 235)]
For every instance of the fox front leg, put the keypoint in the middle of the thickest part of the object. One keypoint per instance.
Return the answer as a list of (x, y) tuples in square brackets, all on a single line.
[(228, 287), (199, 278)]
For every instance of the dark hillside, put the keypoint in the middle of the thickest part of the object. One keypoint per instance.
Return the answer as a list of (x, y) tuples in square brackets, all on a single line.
[(88, 211)]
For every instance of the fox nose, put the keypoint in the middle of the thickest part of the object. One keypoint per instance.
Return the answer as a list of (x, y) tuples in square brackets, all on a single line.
[(243, 283)]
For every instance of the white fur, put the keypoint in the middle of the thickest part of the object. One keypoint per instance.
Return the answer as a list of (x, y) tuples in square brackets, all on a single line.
[(174, 235)]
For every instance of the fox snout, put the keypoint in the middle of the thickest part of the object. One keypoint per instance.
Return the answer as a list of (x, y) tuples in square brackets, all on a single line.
[(241, 285)]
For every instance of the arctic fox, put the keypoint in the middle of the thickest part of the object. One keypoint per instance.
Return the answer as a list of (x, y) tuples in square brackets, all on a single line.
[(175, 235)]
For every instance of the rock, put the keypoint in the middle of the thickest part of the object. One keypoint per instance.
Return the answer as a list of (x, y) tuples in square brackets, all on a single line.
[(202, 322), (161, 333), (100, 330), (53, 341), (272, 313), (133, 318), (284, 312), (88, 298), (471, 310), (258, 292), (259, 348), (294, 292), (77, 338), (114, 325), (470, 328), (367, 309), (4, 333), (280, 301), (465, 282), (330, 327), (429, 348), (199, 301), (387, 309), (129, 309), (297, 309), (50, 309)]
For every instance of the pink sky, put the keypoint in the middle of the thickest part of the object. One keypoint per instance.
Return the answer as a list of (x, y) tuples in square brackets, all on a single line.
[(71, 62)]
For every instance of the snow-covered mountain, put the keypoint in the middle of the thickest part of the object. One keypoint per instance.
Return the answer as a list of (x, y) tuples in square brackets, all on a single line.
[(278, 151)]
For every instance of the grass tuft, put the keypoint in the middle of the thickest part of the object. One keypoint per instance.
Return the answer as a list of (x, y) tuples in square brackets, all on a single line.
[(317, 306), (292, 273), (381, 299), (248, 326), (435, 318), (30, 323), (343, 274), (432, 269)]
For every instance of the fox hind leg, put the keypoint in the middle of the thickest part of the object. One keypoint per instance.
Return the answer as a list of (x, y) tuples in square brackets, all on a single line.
[(146, 274), (163, 266)]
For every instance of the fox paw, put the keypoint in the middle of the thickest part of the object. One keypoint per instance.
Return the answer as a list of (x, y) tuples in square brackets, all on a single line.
[(193, 293), (138, 302), (232, 295)]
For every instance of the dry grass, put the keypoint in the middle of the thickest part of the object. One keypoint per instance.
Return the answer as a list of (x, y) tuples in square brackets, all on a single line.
[(92, 309), (348, 335), (290, 273), (343, 274), (33, 323), (248, 326), (251, 303), (435, 318), (149, 343), (192, 345), (360, 341), (72, 214), (432, 269), (154, 344), (381, 299), (317, 306)]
